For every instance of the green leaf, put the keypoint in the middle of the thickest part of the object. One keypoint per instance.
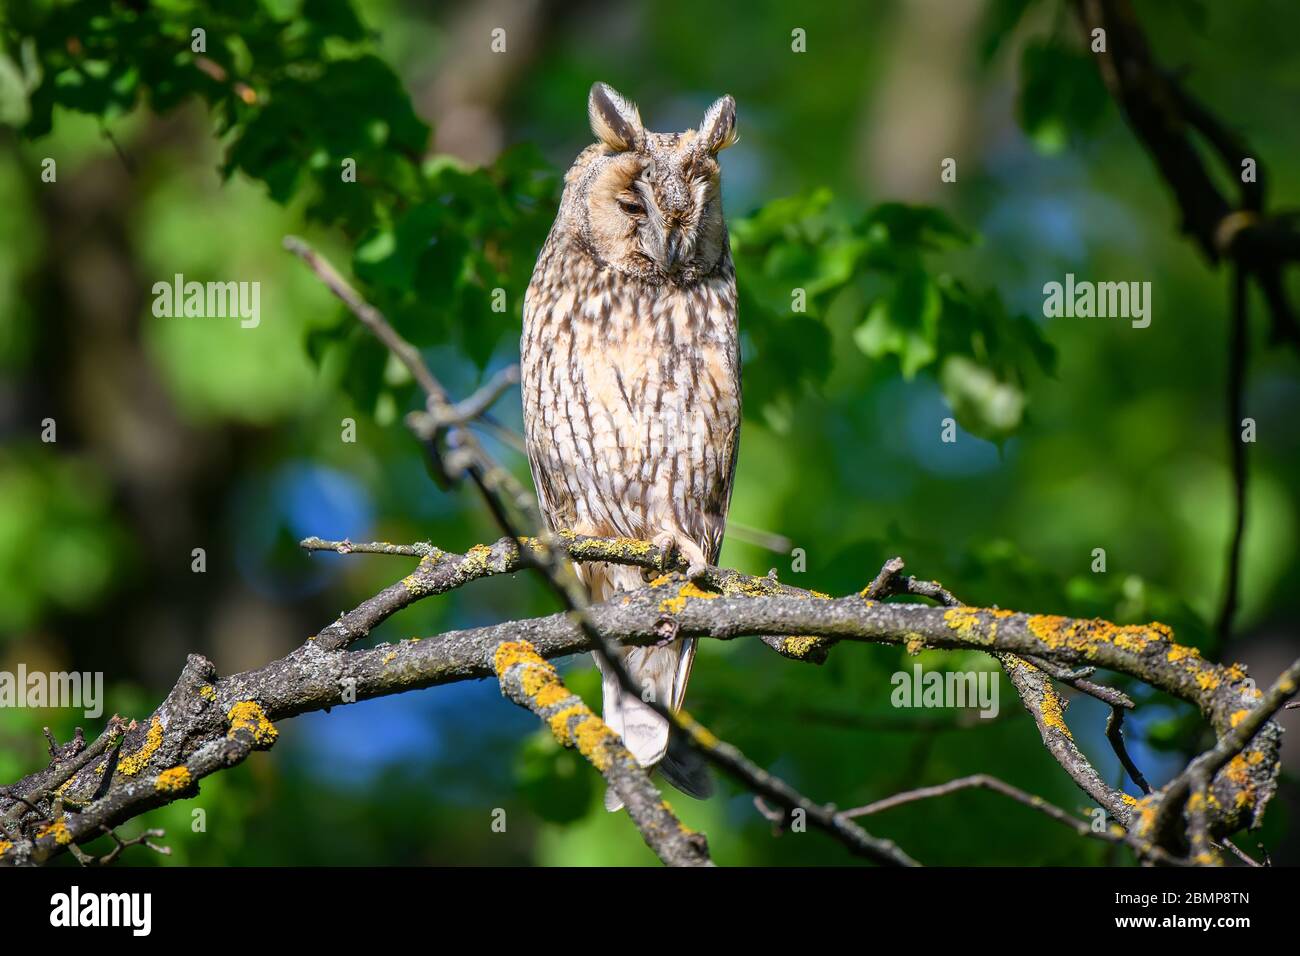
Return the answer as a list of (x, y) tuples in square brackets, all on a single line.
[(1061, 94), (790, 217), (1001, 17), (17, 83), (923, 227), (983, 405), (904, 323)]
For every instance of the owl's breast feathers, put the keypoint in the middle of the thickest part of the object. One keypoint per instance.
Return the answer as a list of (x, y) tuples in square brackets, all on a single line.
[(631, 398)]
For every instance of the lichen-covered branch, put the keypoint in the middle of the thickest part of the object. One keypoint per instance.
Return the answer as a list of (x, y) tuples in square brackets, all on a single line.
[(207, 723), (441, 571), (532, 682), (1029, 675)]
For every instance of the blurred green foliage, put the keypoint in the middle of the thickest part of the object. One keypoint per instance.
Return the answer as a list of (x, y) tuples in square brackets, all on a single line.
[(866, 322)]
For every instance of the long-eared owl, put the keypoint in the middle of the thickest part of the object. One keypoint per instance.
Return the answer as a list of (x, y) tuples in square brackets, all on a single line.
[(631, 377)]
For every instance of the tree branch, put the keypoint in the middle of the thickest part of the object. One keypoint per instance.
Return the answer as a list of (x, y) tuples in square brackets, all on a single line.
[(1164, 116), (206, 723), (532, 683)]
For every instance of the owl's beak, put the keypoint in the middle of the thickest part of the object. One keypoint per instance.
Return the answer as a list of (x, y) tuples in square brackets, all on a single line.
[(673, 247)]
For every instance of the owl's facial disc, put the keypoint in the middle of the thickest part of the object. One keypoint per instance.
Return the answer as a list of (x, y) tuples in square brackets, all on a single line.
[(652, 199), (655, 212)]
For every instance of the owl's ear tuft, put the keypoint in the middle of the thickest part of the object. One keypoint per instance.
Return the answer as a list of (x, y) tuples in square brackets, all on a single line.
[(614, 120), (718, 128)]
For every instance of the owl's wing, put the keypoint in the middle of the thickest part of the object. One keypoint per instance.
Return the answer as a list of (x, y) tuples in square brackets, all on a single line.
[(709, 523), (556, 502), (713, 525)]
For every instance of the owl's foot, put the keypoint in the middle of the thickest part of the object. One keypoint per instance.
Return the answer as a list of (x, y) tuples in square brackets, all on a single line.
[(667, 629), (670, 552)]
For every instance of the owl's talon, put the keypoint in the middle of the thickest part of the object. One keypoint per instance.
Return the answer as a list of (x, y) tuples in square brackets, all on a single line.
[(698, 573), (667, 628), (670, 553)]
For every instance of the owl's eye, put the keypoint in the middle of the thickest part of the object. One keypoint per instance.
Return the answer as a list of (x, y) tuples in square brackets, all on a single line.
[(631, 207)]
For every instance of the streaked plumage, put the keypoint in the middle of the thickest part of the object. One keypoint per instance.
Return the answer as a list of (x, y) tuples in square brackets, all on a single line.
[(631, 373)]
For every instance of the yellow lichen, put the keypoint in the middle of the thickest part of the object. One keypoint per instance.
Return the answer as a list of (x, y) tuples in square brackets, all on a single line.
[(58, 829), (1162, 632), (131, 764), (1145, 815), (591, 735), (552, 694), (1051, 629), (208, 692), (1132, 638), (1207, 679), (247, 715), (1238, 716), (476, 560), (750, 587), (1053, 712), (536, 677), (661, 580), (560, 723), (174, 780), (510, 653), (686, 591), (966, 622), (1237, 771), (798, 647), (1085, 636), (540, 682), (390, 657), (632, 546), (5, 847)]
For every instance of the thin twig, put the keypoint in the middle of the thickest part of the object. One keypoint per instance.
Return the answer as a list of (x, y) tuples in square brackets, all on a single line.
[(1115, 734), (986, 782), (1236, 379), (421, 549)]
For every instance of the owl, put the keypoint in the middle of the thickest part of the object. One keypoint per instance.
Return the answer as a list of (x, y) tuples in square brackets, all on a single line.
[(630, 369)]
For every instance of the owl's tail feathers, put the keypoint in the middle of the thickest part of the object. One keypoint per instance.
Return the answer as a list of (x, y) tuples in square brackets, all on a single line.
[(686, 770), (644, 732), (662, 672), (682, 767)]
